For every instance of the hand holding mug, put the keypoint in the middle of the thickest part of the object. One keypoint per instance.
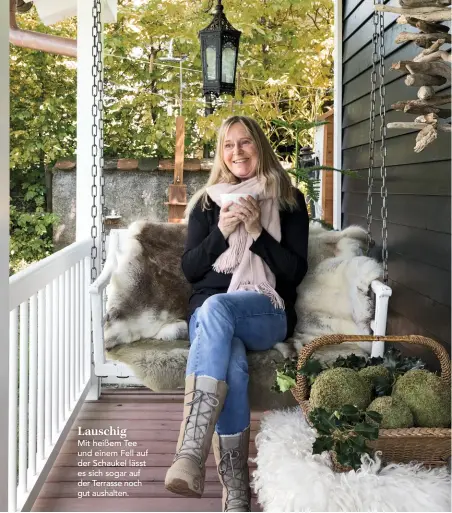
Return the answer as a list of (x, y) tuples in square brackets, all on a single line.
[(228, 220), (249, 212)]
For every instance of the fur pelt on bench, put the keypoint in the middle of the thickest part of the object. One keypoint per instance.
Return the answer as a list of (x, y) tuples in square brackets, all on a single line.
[(147, 299)]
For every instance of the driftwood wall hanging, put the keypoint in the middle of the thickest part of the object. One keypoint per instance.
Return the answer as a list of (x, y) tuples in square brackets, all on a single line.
[(432, 67)]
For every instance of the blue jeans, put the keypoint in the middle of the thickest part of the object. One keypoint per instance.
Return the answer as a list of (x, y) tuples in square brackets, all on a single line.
[(221, 330)]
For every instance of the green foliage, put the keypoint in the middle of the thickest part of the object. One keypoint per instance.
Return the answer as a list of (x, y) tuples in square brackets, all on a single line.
[(285, 375), (345, 431), (283, 73), (42, 130)]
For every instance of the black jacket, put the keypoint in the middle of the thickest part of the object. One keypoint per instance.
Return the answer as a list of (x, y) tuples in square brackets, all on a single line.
[(286, 259)]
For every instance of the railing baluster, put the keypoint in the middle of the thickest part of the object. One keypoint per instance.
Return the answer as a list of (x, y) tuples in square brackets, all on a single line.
[(40, 431), (61, 348), (55, 351), (67, 347), (48, 371), (87, 323), (73, 341), (12, 410), (33, 385), (78, 344), (23, 397)]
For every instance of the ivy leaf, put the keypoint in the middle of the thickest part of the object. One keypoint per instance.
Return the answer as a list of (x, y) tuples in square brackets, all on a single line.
[(374, 416), (284, 382), (350, 413), (367, 430), (312, 368), (351, 362), (323, 421), (321, 444)]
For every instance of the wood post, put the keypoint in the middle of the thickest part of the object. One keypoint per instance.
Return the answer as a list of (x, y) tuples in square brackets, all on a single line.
[(177, 192)]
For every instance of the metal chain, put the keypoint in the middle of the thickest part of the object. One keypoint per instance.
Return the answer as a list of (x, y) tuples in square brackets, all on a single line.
[(373, 88), (97, 148), (94, 133), (384, 189), (100, 71)]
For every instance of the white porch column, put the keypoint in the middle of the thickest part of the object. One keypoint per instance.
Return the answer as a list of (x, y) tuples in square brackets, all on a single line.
[(85, 123), (337, 189), (4, 251)]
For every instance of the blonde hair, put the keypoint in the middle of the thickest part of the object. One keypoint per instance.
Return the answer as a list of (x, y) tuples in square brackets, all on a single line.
[(268, 166)]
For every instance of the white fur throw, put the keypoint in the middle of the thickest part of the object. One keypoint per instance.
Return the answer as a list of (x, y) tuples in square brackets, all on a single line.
[(290, 478), (148, 295), (148, 298)]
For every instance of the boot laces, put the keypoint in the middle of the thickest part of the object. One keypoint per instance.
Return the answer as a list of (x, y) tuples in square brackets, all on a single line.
[(234, 472), (196, 427)]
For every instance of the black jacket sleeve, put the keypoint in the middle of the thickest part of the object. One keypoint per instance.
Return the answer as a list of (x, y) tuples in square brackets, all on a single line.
[(288, 259), (201, 247)]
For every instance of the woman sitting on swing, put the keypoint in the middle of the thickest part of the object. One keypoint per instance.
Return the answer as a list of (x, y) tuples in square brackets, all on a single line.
[(244, 261)]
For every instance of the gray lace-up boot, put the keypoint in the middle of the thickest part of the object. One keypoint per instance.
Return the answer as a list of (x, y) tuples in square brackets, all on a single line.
[(231, 456), (204, 398)]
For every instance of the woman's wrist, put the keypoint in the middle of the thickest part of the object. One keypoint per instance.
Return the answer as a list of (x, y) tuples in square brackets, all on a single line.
[(256, 234)]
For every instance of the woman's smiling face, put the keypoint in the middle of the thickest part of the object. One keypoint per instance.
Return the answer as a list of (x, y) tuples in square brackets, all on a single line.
[(240, 152)]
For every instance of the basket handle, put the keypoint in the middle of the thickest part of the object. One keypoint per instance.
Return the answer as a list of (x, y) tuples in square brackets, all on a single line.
[(301, 392)]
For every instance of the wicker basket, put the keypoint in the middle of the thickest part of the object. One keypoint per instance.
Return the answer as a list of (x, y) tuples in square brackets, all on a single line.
[(431, 446)]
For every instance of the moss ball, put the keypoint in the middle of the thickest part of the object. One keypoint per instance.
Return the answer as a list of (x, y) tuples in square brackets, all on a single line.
[(427, 396), (334, 388), (395, 413), (375, 371)]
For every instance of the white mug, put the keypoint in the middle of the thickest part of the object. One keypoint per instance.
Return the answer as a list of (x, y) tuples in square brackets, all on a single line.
[(234, 197)]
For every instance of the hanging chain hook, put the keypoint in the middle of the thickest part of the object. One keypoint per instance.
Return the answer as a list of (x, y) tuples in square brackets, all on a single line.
[(383, 171), (97, 148)]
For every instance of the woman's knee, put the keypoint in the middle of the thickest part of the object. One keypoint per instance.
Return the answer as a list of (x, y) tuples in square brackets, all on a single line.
[(217, 304)]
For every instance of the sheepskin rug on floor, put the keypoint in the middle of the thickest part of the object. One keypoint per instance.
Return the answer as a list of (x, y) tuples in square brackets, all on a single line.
[(290, 478)]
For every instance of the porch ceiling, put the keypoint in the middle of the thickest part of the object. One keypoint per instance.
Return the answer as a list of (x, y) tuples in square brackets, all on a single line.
[(52, 12)]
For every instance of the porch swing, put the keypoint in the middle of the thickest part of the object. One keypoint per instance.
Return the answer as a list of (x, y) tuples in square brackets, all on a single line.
[(160, 364)]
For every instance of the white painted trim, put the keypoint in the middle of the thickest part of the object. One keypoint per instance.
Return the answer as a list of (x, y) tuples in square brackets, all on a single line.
[(35, 277), (4, 251), (51, 12), (36, 488), (337, 198)]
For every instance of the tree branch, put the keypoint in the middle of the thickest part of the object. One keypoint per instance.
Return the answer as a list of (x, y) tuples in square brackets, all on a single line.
[(423, 109), (425, 92), (422, 13), (409, 4), (406, 125), (434, 56), (420, 79), (422, 25), (436, 100), (422, 39)]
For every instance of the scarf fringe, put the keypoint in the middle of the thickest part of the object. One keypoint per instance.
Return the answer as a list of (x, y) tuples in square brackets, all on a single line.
[(266, 289), (228, 261)]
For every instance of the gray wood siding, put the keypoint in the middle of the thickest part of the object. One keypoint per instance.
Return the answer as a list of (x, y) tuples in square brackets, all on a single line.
[(419, 184)]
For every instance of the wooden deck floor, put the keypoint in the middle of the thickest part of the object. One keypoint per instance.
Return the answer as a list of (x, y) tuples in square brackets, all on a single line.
[(135, 480)]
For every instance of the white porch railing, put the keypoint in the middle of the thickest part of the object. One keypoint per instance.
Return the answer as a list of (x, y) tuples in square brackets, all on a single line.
[(50, 364)]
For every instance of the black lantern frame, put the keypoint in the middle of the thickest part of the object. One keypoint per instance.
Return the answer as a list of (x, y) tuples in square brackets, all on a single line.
[(219, 41)]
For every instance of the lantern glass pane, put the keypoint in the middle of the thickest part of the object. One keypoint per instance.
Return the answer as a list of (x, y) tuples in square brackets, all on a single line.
[(228, 63), (211, 62)]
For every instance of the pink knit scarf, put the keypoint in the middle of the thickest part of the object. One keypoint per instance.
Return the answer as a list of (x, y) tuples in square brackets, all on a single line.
[(249, 271)]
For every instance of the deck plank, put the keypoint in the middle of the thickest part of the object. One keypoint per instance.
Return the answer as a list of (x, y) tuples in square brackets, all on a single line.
[(152, 422), (123, 504)]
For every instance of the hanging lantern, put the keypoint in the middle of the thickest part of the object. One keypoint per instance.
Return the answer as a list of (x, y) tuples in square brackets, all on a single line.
[(219, 51)]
